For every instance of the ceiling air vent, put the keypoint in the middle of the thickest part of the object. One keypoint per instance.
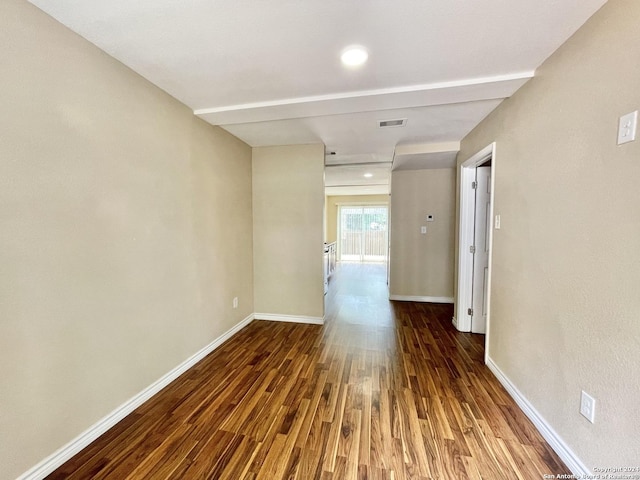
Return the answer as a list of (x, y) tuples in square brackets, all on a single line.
[(399, 122)]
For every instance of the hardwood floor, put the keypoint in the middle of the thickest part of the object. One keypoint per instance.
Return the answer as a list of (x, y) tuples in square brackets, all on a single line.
[(384, 390)]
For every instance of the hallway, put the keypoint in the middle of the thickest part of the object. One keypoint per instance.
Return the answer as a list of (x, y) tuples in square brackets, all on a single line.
[(358, 294), (383, 390)]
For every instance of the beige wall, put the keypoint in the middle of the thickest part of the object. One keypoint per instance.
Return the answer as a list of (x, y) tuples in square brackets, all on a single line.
[(566, 263), (331, 210), (118, 259), (288, 204), (422, 265)]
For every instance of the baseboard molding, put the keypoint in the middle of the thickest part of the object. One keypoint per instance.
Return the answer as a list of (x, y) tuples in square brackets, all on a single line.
[(55, 460), (412, 298), (553, 439), (276, 317)]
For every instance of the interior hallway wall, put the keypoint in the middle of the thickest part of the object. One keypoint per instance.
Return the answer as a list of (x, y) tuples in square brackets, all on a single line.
[(118, 257), (422, 265), (288, 207), (566, 262)]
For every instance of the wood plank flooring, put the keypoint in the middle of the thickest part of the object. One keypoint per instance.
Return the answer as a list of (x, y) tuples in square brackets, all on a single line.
[(384, 390)]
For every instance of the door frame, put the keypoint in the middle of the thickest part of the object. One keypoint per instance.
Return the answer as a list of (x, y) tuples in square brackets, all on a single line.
[(462, 321)]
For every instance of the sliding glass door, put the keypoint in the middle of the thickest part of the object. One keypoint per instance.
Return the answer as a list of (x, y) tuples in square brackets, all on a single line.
[(363, 234)]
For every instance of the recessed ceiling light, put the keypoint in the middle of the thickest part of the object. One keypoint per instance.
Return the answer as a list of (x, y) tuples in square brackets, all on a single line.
[(354, 56), (368, 175)]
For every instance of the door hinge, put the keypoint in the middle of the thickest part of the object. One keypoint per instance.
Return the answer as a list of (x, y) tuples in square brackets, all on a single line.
[(470, 311), (474, 185), (472, 249)]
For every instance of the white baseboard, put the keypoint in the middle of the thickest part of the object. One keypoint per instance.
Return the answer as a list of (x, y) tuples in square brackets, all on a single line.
[(55, 460), (276, 317), (553, 439), (412, 298)]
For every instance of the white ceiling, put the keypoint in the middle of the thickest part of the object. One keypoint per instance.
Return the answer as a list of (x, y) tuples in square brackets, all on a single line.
[(350, 180), (269, 71)]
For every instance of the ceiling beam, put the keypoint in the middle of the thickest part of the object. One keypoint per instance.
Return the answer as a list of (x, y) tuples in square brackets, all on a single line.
[(468, 90), (419, 148), (357, 164), (425, 155)]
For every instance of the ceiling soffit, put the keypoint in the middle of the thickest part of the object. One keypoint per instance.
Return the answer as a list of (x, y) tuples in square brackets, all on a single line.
[(463, 91)]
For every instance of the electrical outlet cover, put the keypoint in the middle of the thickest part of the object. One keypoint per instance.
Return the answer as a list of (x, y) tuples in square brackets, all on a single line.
[(627, 127)]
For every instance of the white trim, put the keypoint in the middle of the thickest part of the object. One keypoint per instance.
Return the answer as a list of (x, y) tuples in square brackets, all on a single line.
[(56, 459), (279, 317), (414, 298), (369, 93), (494, 163), (364, 204), (565, 453), (482, 156), (465, 239)]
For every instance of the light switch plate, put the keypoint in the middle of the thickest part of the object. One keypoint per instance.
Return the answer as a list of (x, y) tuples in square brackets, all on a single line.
[(588, 406), (627, 127)]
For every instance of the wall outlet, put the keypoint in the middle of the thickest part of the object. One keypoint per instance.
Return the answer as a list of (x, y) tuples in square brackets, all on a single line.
[(235, 302), (588, 406), (423, 230), (497, 222), (627, 127)]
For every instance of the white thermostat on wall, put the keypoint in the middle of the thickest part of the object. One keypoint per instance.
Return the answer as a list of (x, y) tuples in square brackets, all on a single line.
[(429, 218)]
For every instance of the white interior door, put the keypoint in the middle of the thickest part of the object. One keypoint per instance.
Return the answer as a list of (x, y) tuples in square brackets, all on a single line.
[(481, 254)]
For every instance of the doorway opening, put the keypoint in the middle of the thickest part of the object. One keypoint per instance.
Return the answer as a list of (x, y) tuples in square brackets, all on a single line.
[(363, 234), (475, 240)]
